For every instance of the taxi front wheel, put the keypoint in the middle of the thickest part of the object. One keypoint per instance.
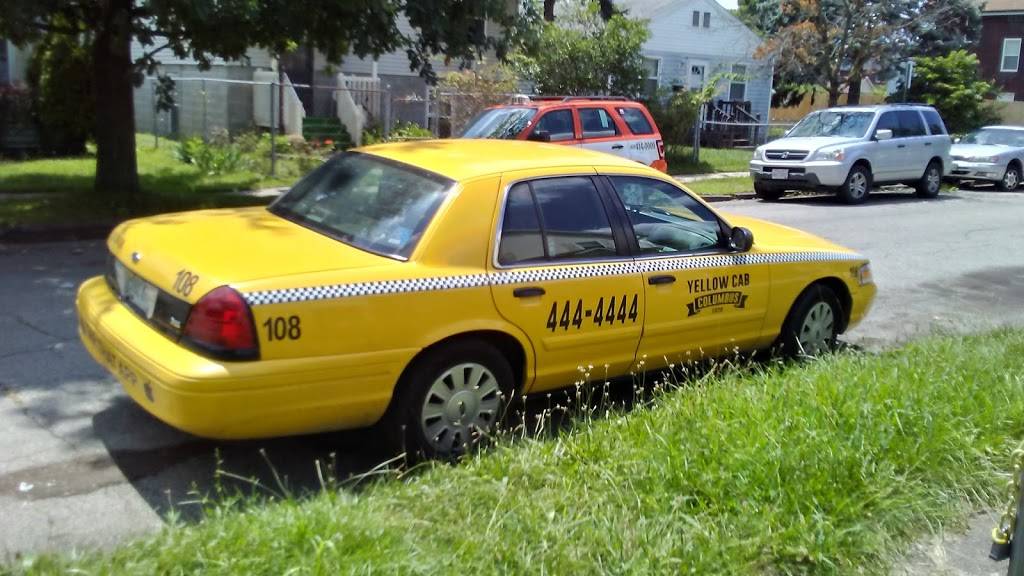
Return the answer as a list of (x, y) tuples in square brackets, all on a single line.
[(813, 323), (450, 400)]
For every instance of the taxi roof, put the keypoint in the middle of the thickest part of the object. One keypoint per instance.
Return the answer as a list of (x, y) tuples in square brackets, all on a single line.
[(467, 158)]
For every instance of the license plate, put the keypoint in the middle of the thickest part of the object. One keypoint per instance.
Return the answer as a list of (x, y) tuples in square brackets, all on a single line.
[(780, 174), (135, 291)]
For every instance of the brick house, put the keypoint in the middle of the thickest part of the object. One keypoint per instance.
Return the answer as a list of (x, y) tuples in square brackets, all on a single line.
[(1002, 32)]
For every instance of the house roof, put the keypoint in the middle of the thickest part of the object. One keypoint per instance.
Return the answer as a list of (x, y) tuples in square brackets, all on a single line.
[(993, 6), (644, 8)]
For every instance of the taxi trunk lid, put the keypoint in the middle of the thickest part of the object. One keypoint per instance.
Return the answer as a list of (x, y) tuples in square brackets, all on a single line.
[(188, 254)]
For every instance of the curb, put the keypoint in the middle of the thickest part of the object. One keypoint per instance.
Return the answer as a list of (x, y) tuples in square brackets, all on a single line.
[(728, 197)]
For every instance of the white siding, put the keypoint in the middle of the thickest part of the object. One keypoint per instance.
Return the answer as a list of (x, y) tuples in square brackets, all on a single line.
[(257, 57), (679, 44)]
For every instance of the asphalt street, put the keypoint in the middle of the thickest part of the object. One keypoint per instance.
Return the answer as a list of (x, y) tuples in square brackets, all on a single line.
[(82, 466)]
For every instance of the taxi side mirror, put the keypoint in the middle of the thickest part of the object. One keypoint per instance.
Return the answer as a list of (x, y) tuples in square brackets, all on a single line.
[(741, 239), (540, 136)]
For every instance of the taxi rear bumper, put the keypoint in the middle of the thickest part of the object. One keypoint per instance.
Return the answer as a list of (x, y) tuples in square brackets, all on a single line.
[(233, 400)]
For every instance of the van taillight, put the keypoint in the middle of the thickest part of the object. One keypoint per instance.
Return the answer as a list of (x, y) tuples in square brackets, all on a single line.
[(661, 148), (221, 325)]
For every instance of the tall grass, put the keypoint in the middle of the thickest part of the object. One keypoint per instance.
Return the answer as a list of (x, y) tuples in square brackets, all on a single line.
[(825, 467)]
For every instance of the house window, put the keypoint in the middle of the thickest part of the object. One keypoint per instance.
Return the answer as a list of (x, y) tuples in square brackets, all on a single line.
[(707, 19), (696, 18), (652, 74), (1011, 55), (1006, 97), (738, 85)]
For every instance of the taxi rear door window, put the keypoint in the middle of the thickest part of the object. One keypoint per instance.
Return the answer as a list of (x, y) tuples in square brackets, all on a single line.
[(636, 120)]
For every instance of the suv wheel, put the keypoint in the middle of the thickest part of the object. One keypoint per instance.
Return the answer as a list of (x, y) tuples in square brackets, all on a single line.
[(767, 193), (1011, 179), (857, 186), (931, 181), (450, 401)]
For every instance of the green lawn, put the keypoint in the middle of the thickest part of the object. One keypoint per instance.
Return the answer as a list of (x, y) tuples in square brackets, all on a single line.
[(167, 184), (721, 186), (680, 160), (829, 467)]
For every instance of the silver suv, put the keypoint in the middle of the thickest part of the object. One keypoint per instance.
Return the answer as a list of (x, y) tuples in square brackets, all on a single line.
[(850, 149)]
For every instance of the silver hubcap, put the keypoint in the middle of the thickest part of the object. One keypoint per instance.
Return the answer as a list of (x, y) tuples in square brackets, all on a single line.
[(816, 332), (858, 185), (460, 404), (1010, 180), (934, 180)]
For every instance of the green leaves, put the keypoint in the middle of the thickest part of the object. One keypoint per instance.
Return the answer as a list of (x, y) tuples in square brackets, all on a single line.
[(952, 84), (585, 55)]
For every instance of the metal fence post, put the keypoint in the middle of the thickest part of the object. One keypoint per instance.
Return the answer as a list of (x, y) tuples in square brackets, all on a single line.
[(697, 127), (203, 89), (387, 113), (152, 103), (273, 131)]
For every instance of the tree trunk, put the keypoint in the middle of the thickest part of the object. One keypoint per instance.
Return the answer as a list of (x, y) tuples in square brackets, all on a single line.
[(549, 10), (834, 89), (853, 95), (116, 172)]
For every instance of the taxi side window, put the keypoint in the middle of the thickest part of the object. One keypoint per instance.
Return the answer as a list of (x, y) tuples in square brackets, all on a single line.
[(665, 219), (568, 222), (557, 123), (888, 121), (636, 121), (597, 123)]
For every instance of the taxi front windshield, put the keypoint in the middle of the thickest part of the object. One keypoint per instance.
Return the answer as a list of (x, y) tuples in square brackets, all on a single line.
[(834, 124), (373, 204), (996, 137), (501, 123)]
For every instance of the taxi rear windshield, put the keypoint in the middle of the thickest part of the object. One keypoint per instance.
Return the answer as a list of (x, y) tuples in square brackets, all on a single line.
[(374, 204), (501, 123)]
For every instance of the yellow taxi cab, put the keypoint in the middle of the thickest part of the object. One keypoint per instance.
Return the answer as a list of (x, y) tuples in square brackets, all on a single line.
[(426, 284)]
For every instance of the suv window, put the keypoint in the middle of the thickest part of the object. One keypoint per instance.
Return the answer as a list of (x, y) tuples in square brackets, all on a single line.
[(555, 219), (888, 121), (597, 123), (636, 120), (910, 123), (557, 123), (665, 219), (935, 124)]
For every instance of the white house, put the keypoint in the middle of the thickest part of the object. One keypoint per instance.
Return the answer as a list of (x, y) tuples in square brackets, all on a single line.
[(692, 41)]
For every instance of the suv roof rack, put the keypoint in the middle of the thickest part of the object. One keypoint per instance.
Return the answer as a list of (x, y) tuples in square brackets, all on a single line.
[(571, 98)]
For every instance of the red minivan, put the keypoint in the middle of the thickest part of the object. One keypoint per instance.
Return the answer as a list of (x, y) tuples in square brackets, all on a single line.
[(605, 123)]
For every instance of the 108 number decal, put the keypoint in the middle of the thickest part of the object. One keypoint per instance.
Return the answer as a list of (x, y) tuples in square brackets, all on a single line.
[(281, 328), (184, 282), (566, 314)]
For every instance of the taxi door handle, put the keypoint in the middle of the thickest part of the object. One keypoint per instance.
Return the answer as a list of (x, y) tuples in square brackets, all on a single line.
[(927, 143), (902, 146), (666, 279), (528, 292), (617, 147)]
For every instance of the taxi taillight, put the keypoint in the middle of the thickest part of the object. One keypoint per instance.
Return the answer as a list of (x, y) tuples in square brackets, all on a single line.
[(221, 325), (661, 149)]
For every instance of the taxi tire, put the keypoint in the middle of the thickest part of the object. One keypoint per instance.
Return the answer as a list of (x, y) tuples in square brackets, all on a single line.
[(767, 193), (844, 192), (788, 343), (401, 423)]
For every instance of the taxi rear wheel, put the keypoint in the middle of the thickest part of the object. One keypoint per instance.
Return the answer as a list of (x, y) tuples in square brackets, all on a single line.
[(931, 181), (451, 400), (813, 323)]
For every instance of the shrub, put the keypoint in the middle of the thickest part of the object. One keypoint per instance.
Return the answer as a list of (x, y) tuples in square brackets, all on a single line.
[(210, 159), (953, 85), (60, 77), (468, 92), (401, 131)]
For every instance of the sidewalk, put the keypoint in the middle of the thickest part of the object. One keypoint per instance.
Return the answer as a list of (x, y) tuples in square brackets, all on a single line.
[(713, 176)]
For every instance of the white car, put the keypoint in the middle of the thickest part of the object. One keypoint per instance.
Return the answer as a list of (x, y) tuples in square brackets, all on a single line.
[(850, 149), (992, 154)]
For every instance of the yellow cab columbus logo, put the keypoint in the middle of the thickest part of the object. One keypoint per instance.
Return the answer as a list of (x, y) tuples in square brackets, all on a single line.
[(737, 299)]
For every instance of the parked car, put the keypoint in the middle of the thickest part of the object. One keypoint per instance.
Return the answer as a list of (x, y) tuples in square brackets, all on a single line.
[(849, 150), (606, 124), (992, 154), (427, 284)]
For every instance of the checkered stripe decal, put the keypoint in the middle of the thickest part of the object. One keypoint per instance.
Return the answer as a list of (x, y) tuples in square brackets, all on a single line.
[(545, 274)]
